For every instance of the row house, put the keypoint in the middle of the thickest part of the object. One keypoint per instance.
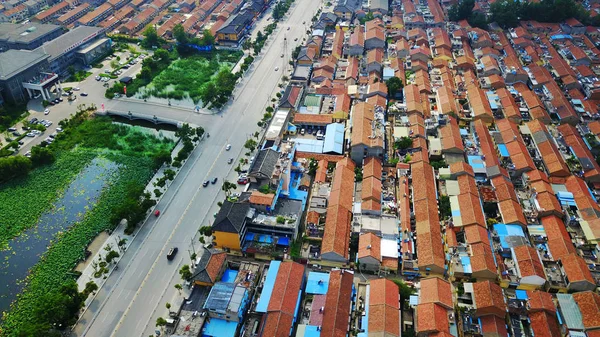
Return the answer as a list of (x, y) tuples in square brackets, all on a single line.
[(73, 15)]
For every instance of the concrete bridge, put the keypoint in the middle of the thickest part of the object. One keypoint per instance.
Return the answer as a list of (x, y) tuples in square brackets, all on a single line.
[(139, 116)]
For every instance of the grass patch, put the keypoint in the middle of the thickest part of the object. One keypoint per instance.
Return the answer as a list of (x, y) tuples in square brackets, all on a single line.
[(185, 78), (79, 76)]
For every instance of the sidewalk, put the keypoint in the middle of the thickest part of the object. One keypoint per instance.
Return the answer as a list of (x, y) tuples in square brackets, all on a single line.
[(118, 234)]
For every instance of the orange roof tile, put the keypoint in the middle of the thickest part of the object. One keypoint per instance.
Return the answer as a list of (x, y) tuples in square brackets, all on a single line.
[(540, 301), (529, 262), (493, 326), (259, 198), (544, 324), (489, 299), (431, 317), (476, 234), (384, 308), (369, 244), (589, 305), (482, 260), (436, 290), (337, 304), (512, 212), (576, 269)]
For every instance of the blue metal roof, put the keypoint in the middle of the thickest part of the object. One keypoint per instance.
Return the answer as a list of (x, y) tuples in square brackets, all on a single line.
[(334, 138), (265, 296), (219, 328), (465, 261), (506, 231), (309, 145), (570, 311), (521, 294), (503, 150), (317, 283)]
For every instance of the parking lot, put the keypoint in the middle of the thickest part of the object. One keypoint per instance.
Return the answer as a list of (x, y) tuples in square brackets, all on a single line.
[(63, 105)]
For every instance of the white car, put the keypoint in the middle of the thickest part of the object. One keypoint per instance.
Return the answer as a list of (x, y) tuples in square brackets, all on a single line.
[(47, 111), (228, 147), (276, 68), (76, 89)]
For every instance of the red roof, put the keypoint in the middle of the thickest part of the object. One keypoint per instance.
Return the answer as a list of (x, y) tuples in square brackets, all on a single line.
[(489, 299), (436, 290), (282, 305), (589, 305), (493, 326), (431, 317), (529, 261), (337, 304), (576, 269), (544, 324), (384, 308), (540, 301)]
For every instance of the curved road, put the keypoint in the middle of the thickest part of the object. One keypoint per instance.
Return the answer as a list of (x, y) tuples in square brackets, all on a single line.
[(135, 295)]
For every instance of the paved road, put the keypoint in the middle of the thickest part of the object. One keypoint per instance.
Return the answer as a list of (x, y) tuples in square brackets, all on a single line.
[(135, 296)]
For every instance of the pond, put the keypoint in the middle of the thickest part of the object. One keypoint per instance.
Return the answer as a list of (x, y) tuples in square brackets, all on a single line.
[(26, 250)]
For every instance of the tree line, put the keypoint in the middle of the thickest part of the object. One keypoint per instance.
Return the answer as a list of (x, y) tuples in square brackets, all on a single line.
[(508, 13)]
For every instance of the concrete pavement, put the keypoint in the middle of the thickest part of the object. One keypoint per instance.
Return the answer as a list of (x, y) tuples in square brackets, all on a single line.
[(134, 297)]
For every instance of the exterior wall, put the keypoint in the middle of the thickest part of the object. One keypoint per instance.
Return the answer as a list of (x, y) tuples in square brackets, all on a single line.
[(374, 43), (12, 90), (91, 56), (227, 240)]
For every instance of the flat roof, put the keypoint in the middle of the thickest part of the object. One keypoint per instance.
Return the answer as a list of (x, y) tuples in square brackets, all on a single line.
[(570, 311), (25, 33), (265, 296), (334, 138), (69, 41), (317, 283), (277, 124), (14, 61), (219, 328), (389, 248), (92, 46)]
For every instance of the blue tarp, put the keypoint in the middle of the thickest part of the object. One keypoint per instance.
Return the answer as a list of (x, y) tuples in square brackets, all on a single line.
[(466, 264), (503, 150), (249, 237), (229, 276), (283, 241), (566, 198), (317, 283), (264, 238), (219, 328), (505, 231), (334, 139), (476, 162), (312, 331), (521, 295), (464, 132), (265, 296)]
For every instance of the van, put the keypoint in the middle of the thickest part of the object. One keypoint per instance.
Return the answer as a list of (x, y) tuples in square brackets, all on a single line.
[(172, 253)]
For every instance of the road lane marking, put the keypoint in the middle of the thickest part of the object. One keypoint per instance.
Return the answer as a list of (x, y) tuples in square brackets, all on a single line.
[(163, 248)]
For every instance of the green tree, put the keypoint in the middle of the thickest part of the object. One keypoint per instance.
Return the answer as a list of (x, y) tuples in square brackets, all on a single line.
[(250, 144), (505, 13), (161, 322), (313, 166), (41, 156), (394, 85), (227, 187), (90, 287), (61, 307), (14, 167), (461, 10), (168, 306), (445, 209), (150, 37), (405, 292), (186, 273), (403, 143), (111, 256), (179, 287)]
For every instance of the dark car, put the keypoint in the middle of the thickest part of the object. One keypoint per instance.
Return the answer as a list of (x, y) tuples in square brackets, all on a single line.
[(16, 134), (60, 99), (33, 120), (172, 252), (84, 94), (205, 183), (214, 181)]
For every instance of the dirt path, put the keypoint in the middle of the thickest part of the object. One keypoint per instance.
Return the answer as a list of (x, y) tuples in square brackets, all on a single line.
[(94, 247)]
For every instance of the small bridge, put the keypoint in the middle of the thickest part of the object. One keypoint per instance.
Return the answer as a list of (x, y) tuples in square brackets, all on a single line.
[(133, 116)]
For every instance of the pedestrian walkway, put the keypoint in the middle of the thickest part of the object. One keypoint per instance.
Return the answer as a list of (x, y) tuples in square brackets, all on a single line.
[(99, 270)]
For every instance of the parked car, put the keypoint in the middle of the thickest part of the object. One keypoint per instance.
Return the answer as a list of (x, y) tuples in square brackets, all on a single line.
[(12, 129), (16, 134), (98, 78), (76, 89), (28, 154), (59, 129), (47, 111), (30, 134), (302, 131), (84, 94), (172, 252)]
